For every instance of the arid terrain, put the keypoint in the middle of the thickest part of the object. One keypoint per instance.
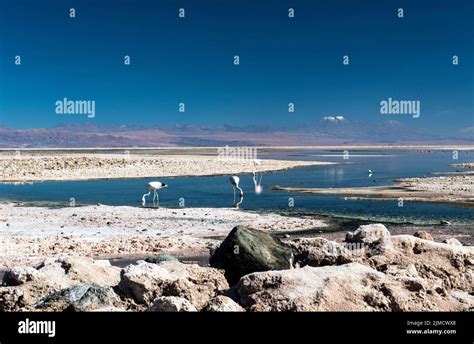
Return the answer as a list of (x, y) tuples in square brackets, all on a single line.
[(30, 234), (443, 189), (370, 271), (83, 166), (92, 257)]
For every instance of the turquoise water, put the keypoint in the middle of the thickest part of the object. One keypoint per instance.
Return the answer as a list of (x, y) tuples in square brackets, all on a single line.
[(216, 191)]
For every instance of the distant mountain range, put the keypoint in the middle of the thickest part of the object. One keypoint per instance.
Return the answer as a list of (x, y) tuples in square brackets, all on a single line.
[(330, 130)]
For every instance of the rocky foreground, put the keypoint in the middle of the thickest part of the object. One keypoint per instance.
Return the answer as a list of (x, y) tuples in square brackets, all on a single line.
[(253, 271)]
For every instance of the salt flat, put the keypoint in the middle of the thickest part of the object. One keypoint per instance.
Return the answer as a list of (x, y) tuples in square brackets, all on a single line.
[(87, 166), (28, 234)]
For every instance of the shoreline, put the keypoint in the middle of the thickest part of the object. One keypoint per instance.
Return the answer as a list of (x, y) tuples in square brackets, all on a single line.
[(17, 182), (451, 189), (214, 148), (78, 167)]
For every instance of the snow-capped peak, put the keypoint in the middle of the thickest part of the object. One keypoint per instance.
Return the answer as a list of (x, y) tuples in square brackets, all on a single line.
[(334, 118)]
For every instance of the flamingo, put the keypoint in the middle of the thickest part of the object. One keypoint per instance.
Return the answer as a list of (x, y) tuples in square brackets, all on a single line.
[(154, 186), (234, 180), (257, 184)]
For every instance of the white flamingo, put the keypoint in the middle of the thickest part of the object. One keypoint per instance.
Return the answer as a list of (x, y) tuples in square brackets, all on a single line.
[(234, 180), (257, 183), (154, 186)]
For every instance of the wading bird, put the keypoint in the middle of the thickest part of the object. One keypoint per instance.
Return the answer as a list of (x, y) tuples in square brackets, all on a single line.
[(257, 181), (370, 173), (154, 186), (234, 180)]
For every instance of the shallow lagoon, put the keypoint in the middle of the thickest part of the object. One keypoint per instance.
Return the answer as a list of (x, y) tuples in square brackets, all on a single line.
[(216, 191)]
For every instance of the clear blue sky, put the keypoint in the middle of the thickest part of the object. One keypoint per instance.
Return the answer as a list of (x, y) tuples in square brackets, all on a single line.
[(191, 61)]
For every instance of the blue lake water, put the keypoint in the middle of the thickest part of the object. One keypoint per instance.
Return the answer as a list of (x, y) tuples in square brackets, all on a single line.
[(216, 191)]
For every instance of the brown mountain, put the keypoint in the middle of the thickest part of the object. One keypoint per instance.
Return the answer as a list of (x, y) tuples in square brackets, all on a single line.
[(328, 131)]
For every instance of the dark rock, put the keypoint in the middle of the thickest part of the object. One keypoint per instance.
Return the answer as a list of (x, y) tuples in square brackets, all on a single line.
[(161, 258), (78, 298), (247, 250)]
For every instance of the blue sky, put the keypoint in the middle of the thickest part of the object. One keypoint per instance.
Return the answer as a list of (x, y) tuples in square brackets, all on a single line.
[(191, 60)]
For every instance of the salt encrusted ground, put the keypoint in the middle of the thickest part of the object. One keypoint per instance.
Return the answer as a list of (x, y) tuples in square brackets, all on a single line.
[(446, 189), (28, 234), (83, 166)]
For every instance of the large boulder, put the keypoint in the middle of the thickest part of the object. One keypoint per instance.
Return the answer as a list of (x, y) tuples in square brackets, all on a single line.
[(329, 288), (444, 265), (349, 287), (320, 252), (247, 250), (32, 284), (368, 234), (421, 264), (145, 282), (78, 298), (65, 271), (88, 270)]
